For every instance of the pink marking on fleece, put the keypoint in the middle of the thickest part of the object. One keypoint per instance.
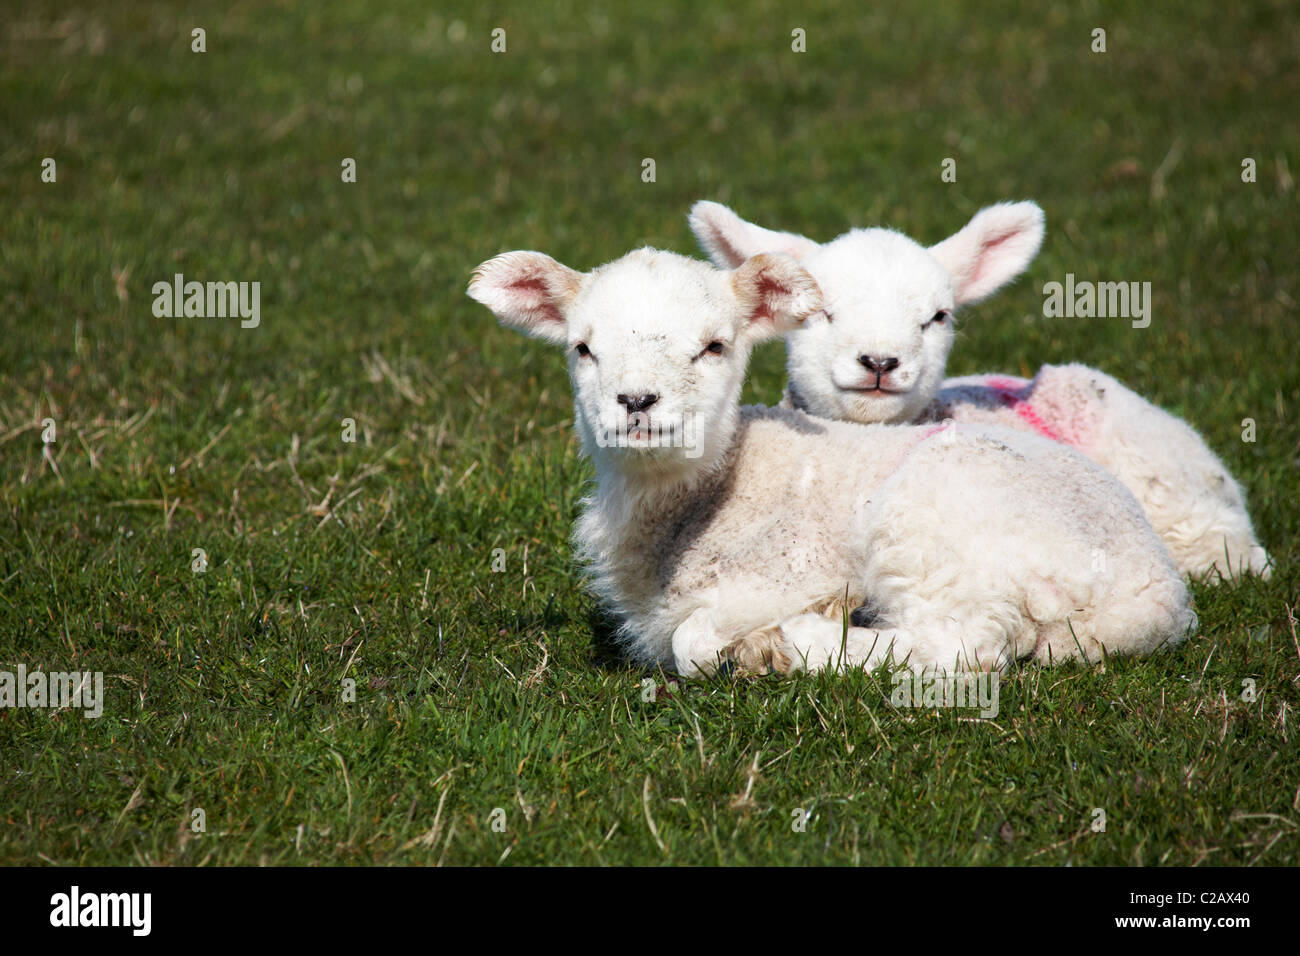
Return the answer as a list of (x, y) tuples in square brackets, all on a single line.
[(1012, 394)]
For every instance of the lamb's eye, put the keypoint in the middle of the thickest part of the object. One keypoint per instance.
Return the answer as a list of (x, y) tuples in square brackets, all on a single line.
[(939, 316), (716, 347), (582, 350)]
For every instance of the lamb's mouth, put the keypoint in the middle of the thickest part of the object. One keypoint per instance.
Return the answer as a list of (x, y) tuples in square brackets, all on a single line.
[(873, 390), (638, 428)]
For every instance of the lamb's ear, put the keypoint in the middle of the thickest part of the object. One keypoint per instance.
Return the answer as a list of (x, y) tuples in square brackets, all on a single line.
[(729, 240), (992, 249), (529, 291), (775, 295)]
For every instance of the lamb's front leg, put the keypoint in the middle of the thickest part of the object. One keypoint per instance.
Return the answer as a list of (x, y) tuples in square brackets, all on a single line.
[(700, 646), (697, 646), (813, 642), (810, 641)]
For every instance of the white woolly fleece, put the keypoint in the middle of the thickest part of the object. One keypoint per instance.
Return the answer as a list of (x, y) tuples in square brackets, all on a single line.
[(878, 351), (974, 545)]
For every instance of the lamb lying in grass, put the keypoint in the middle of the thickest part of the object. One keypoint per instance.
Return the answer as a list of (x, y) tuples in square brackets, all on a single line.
[(725, 533), (878, 350)]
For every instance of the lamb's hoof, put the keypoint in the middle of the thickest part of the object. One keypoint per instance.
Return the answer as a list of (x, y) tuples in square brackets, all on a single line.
[(864, 616), (758, 653)]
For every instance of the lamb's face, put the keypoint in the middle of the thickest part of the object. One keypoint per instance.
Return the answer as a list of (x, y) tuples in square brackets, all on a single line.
[(657, 344), (878, 350), (656, 359)]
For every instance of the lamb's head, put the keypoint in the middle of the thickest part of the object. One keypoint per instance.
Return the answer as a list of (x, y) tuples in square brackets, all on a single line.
[(878, 349), (657, 344)]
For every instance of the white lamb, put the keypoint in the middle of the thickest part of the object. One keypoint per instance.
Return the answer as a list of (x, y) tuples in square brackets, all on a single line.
[(721, 533), (878, 350)]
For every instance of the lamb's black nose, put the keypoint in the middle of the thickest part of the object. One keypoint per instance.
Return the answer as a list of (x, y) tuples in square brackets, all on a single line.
[(863, 616), (878, 365), (637, 403)]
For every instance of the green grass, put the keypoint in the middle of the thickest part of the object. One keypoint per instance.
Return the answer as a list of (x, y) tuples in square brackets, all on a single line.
[(372, 561)]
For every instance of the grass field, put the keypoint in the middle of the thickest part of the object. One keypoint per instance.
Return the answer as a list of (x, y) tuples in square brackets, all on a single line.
[(372, 560)]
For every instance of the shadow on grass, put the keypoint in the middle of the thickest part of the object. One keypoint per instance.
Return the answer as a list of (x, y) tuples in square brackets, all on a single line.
[(605, 652)]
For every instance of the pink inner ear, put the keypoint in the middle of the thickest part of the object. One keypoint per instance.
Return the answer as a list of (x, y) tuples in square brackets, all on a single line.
[(729, 248), (534, 295), (767, 289), (986, 255)]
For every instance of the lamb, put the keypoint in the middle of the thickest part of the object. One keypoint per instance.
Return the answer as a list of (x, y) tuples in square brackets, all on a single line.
[(878, 350), (719, 533)]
